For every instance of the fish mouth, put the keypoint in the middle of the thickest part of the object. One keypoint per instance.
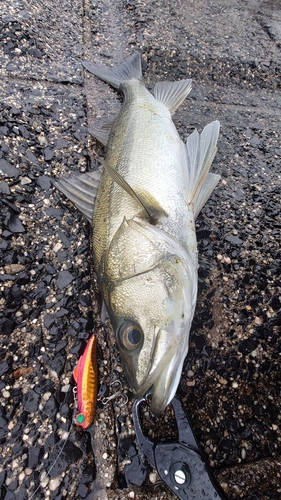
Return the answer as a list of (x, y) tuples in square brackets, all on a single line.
[(164, 373)]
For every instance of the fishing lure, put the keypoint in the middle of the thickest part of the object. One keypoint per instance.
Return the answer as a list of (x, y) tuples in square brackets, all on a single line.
[(86, 377)]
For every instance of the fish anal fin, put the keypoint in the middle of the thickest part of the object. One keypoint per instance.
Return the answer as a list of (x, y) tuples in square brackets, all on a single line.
[(81, 189), (172, 94)]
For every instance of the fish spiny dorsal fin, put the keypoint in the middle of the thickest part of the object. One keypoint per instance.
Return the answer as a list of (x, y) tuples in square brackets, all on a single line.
[(200, 152), (153, 209), (172, 94), (81, 190), (129, 69)]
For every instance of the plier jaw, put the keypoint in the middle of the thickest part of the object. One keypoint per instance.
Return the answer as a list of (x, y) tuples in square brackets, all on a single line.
[(180, 464)]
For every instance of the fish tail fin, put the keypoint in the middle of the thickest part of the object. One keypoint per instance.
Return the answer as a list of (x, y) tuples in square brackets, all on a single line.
[(130, 68), (200, 152)]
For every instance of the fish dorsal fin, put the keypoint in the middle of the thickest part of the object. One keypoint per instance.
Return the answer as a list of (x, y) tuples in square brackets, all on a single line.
[(153, 209), (172, 94), (130, 68), (81, 189), (101, 133), (200, 152)]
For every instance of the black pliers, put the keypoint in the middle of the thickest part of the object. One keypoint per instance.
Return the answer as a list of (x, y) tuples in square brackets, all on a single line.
[(180, 464)]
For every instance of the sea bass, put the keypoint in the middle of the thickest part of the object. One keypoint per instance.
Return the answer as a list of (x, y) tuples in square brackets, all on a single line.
[(143, 208)]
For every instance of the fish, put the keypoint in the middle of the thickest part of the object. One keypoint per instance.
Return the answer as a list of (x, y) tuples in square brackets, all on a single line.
[(86, 377), (142, 205)]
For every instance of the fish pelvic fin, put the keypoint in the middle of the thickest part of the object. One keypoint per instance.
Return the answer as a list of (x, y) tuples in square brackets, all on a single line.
[(200, 152), (172, 94), (129, 69), (81, 190)]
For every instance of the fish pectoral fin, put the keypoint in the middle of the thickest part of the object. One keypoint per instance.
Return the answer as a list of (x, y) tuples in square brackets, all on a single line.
[(172, 94), (101, 133), (81, 189), (199, 154), (152, 208)]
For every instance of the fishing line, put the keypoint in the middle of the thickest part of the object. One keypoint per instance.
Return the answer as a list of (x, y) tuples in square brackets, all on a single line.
[(53, 464), (104, 401), (62, 448)]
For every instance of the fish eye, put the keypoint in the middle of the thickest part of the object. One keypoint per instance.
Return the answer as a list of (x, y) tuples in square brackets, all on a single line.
[(130, 336)]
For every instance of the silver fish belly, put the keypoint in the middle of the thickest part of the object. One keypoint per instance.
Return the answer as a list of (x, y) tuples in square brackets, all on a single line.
[(143, 208)]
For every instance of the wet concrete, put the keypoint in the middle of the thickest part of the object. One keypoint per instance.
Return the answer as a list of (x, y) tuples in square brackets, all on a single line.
[(231, 385)]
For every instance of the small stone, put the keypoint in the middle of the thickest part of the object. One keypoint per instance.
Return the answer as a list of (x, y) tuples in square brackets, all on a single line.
[(4, 367), (31, 157), (9, 170), (153, 477), (64, 279), (4, 188), (14, 268), (258, 321), (131, 494), (57, 247), (234, 385), (44, 182), (6, 326), (31, 401), (191, 383), (25, 180), (54, 483), (21, 476), (48, 154), (61, 143), (14, 224), (234, 240)]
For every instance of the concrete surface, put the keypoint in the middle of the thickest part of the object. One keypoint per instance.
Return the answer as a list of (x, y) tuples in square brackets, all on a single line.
[(49, 304)]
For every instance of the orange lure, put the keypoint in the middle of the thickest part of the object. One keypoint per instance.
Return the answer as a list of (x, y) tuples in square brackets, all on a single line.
[(86, 377)]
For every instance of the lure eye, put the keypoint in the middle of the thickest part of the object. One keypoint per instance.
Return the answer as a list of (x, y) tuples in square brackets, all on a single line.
[(79, 419), (130, 336)]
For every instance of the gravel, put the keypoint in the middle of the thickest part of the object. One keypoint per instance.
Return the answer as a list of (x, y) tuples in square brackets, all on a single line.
[(50, 304)]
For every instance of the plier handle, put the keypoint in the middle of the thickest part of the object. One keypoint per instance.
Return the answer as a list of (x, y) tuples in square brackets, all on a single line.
[(180, 464)]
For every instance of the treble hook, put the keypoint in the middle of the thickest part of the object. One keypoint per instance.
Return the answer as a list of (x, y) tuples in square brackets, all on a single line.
[(119, 393)]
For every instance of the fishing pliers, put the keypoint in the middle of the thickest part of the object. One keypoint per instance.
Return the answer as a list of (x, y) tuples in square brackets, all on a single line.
[(180, 464)]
